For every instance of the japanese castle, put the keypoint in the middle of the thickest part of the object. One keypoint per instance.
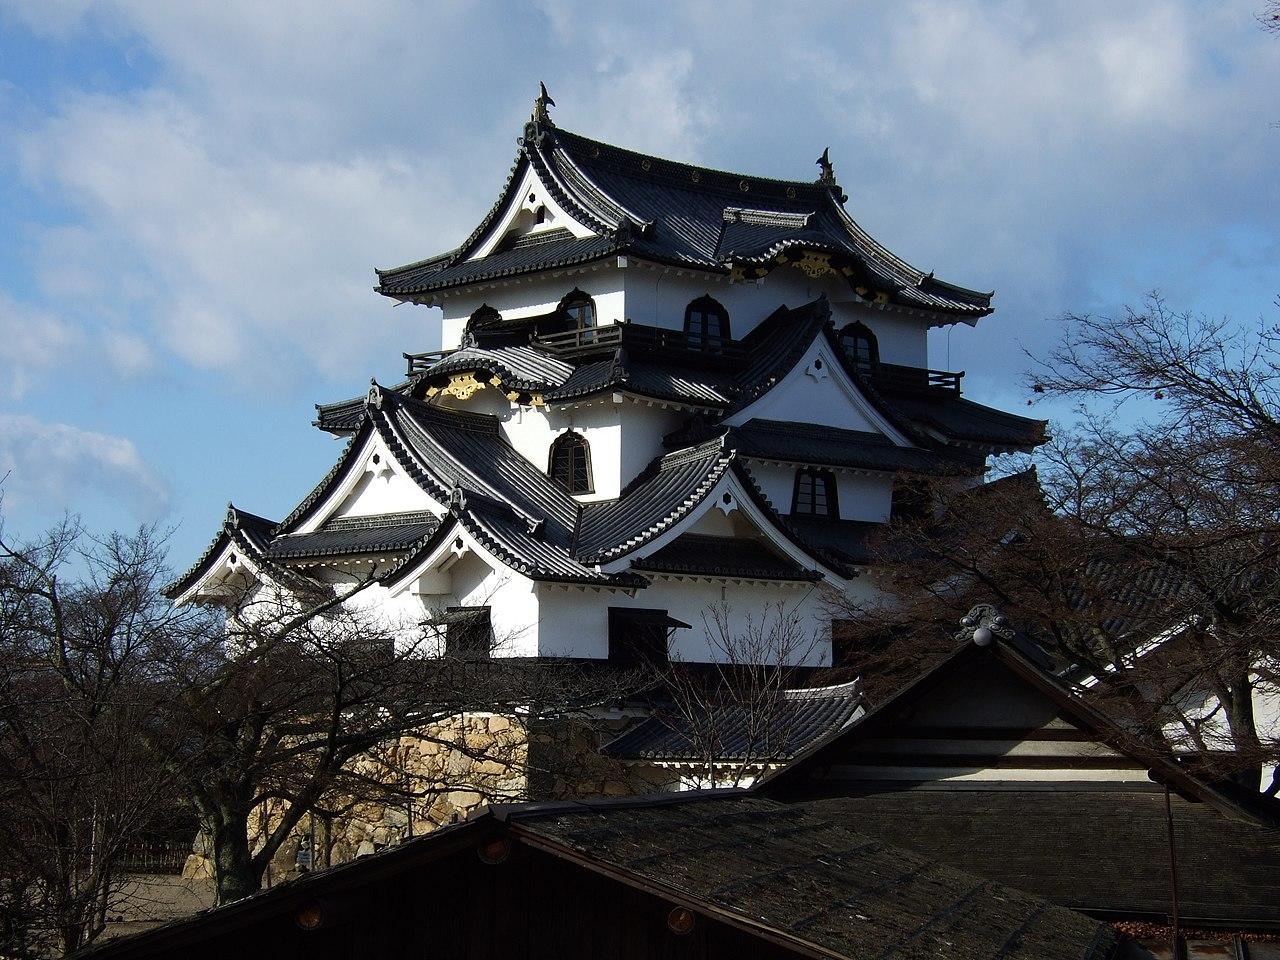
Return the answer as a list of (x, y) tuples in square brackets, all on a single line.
[(663, 389)]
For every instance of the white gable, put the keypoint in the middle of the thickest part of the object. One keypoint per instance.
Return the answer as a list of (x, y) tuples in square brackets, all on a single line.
[(375, 484), (521, 215), (735, 506), (817, 390)]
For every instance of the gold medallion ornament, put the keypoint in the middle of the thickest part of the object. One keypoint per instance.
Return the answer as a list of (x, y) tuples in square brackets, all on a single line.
[(463, 386), (815, 264)]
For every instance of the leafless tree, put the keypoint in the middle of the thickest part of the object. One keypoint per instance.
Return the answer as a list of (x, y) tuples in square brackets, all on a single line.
[(77, 787), (1144, 550), (281, 704), (737, 713)]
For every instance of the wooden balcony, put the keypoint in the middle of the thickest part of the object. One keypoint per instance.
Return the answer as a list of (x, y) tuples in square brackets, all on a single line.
[(418, 362), (645, 339), (894, 378)]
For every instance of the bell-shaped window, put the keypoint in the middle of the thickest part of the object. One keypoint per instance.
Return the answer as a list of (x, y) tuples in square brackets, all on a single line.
[(570, 463), (580, 309), (706, 323), (815, 494), (859, 345)]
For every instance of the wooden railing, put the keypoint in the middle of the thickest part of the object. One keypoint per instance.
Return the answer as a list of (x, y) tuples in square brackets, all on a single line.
[(418, 362), (642, 338), (895, 378)]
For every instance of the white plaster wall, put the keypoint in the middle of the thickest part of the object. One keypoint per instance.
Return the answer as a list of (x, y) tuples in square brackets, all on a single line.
[(536, 295), (643, 428), (624, 436), (1201, 704), (659, 297), (385, 493), (862, 496), (469, 582), (575, 623)]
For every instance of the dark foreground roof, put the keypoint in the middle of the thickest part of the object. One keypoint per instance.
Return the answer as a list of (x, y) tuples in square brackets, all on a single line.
[(797, 882), (678, 214), (797, 719), (1104, 852)]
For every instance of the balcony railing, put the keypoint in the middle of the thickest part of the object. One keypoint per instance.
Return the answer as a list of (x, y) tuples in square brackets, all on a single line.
[(418, 362), (894, 378), (644, 339), (703, 351)]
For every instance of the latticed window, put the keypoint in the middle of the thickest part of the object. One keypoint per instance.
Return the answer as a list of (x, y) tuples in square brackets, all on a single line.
[(571, 462), (859, 345), (706, 323), (815, 494)]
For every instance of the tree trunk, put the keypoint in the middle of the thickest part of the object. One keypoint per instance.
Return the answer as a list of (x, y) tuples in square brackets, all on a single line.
[(234, 876), (1244, 730)]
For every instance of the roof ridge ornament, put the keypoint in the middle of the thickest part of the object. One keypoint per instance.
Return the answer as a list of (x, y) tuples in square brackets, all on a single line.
[(373, 400), (982, 624), (540, 120), (540, 104), (827, 176)]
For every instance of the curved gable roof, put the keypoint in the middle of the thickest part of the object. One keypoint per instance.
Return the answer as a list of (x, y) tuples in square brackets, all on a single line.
[(682, 214)]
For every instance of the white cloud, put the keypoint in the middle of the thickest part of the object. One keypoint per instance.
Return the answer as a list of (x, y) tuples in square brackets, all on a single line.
[(35, 341), (233, 259), (52, 467)]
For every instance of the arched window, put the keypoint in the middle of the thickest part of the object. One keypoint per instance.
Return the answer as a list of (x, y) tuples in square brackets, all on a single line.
[(580, 309), (859, 345), (570, 463), (815, 494), (706, 323)]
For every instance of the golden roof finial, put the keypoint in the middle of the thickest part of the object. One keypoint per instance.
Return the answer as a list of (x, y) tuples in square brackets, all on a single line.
[(540, 105)]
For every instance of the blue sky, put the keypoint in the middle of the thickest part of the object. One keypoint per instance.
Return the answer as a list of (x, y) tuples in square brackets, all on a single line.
[(193, 196)]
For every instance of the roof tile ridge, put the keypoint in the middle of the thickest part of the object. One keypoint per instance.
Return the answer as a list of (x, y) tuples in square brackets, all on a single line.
[(563, 194), (483, 423), (712, 179), (915, 275), (620, 209), (409, 456), (705, 485), (327, 480), (464, 248)]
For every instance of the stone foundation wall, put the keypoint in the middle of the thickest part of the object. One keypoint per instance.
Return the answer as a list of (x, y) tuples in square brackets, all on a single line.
[(453, 768)]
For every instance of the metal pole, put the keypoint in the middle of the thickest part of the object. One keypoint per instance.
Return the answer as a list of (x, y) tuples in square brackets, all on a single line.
[(1178, 952)]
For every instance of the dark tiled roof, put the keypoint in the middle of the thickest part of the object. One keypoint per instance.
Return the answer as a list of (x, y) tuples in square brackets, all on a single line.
[(383, 534), (731, 731), (467, 451), (1105, 851), (963, 421), (527, 551), (675, 213), (816, 879), (252, 535), (814, 443), (438, 275), (647, 378), (846, 539), (520, 367), (666, 491), (692, 553), (776, 345), (786, 874)]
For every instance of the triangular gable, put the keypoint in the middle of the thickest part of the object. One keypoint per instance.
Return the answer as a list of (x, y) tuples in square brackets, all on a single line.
[(732, 492), (818, 389), (519, 214), (368, 479), (987, 715)]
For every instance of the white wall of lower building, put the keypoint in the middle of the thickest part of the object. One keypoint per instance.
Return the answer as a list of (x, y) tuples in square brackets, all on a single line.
[(862, 496), (575, 622)]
